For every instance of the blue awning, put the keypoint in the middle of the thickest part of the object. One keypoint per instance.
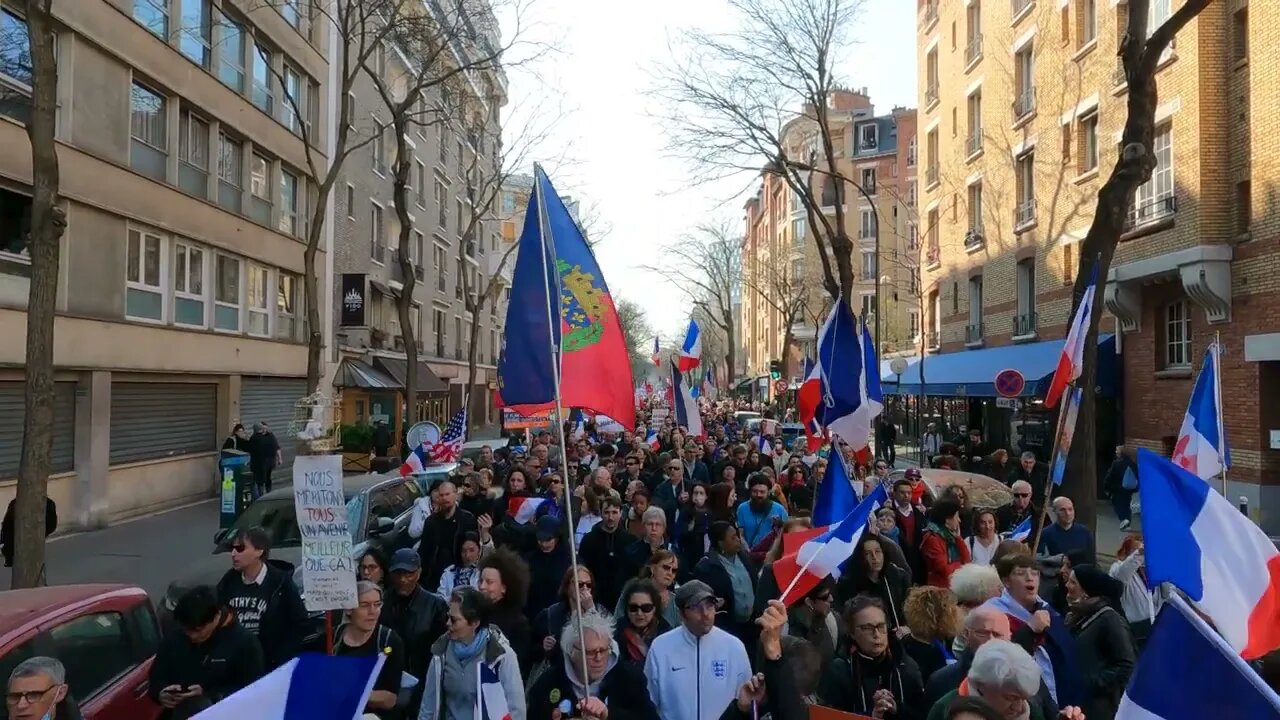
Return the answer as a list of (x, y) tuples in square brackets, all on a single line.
[(972, 373)]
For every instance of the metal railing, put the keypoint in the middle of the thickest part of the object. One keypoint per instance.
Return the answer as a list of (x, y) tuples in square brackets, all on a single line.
[(973, 50), (1024, 324), (931, 93), (973, 144), (973, 333), (1152, 211), (1025, 104), (1024, 214), (931, 175)]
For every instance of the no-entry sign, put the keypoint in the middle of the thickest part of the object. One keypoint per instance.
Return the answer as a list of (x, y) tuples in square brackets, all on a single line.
[(1010, 383)]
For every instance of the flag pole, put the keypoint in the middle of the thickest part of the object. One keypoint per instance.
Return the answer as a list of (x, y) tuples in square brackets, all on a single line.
[(1053, 451), (1217, 401), (557, 350)]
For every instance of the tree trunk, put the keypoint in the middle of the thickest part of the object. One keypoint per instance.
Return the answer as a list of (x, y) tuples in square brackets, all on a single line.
[(473, 346), (48, 220), (730, 352), (409, 280)]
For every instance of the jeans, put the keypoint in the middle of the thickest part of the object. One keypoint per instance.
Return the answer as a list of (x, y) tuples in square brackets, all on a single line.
[(1120, 500)]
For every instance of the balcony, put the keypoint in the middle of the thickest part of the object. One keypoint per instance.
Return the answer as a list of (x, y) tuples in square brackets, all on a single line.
[(973, 334), (1025, 104), (931, 94), (973, 144), (1024, 215), (931, 176), (1024, 325), (973, 238), (1151, 212), (1019, 7), (973, 50)]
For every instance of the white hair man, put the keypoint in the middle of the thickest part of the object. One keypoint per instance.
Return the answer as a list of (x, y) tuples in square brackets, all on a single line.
[(1023, 506), (1008, 679), (38, 690), (589, 692)]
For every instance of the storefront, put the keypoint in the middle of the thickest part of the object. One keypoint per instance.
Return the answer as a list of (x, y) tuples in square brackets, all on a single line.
[(373, 392)]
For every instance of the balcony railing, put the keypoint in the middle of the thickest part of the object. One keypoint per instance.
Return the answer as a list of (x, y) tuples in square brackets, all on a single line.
[(973, 238), (1025, 104), (1152, 211), (1024, 324), (931, 175), (1020, 5), (973, 333), (973, 144), (1024, 214), (931, 93), (973, 50)]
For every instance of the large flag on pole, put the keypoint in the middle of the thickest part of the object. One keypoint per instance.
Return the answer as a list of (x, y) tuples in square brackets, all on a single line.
[(554, 261), (686, 408), (1071, 362), (808, 402), (822, 555), (846, 366), (1202, 446), (1196, 541), (836, 497), (657, 353), (308, 686), (691, 351)]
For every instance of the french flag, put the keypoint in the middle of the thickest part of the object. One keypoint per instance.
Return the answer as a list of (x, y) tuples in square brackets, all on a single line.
[(1072, 359), (491, 701), (657, 354), (762, 444), (417, 461), (850, 377), (836, 498), (1199, 543), (709, 383), (1022, 531), (1202, 445), (823, 554), (523, 509), (308, 686), (652, 438), (808, 400), (687, 415), (1187, 671), (691, 351)]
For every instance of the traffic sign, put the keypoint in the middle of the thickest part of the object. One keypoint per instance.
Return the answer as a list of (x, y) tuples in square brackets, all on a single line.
[(1010, 383), (780, 386)]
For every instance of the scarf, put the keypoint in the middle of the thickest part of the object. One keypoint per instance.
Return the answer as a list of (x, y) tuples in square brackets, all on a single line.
[(465, 653), (942, 531), (636, 644), (1079, 613), (1054, 653)]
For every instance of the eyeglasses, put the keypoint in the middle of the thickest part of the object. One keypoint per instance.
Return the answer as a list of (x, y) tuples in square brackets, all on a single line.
[(584, 585), (593, 654), (640, 607), (375, 605), (873, 628), (31, 696), (1022, 494), (673, 468), (239, 547)]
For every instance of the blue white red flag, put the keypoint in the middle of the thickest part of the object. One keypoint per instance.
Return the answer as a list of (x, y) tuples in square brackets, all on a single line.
[(1022, 531), (847, 366), (449, 449), (417, 461), (523, 509), (657, 353), (1202, 446), (836, 497), (491, 701), (652, 438), (556, 269), (822, 555), (1187, 671), (1197, 541), (686, 408), (763, 445), (808, 402), (1071, 362), (709, 383), (691, 351), (308, 686)]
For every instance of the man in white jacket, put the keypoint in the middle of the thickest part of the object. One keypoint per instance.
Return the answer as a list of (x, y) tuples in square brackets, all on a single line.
[(695, 670)]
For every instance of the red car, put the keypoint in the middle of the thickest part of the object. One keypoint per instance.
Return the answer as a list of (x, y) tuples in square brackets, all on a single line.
[(105, 635)]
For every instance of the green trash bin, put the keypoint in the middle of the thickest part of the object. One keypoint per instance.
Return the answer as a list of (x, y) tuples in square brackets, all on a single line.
[(235, 486)]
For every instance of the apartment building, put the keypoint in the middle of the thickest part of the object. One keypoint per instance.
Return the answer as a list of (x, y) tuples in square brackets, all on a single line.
[(779, 258), (183, 176), (1022, 106), (456, 158)]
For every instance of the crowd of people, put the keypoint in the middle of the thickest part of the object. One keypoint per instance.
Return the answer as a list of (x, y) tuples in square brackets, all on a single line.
[(672, 610)]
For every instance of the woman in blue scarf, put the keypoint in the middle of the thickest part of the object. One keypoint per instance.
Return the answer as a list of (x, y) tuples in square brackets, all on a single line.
[(452, 684)]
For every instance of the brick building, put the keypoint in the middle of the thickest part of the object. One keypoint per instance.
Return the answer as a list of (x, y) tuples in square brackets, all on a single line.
[(1022, 105)]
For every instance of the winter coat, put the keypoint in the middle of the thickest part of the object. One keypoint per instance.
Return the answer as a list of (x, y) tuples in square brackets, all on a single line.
[(891, 589), (713, 572), (419, 620), (622, 689), (851, 681), (546, 570), (602, 553), (460, 701), (941, 558), (1106, 656), (284, 622), (948, 679), (229, 660)]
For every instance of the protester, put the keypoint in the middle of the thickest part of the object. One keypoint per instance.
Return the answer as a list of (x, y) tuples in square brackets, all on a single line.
[(997, 465), (1003, 675), (873, 575), (732, 577), (603, 549), (547, 565), (262, 595), (663, 568), (975, 584), (464, 572), (265, 456), (942, 549), (816, 619), (416, 616), (637, 506), (471, 650), (604, 688), (876, 677), (934, 620), (1120, 482), (911, 522), (982, 544), (504, 582), (372, 566), (1138, 602), (642, 621), (673, 493), (789, 672), (757, 516), (7, 527), (1031, 472), (364, 635), (575, 592), (37, 690), (1009, 517), (695, 671), (693, 527), (440, 534), (653, 539), (1104, 648)]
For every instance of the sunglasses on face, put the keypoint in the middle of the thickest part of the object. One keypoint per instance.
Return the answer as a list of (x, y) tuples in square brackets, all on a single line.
[(668, 568), (239, 547), (584, 585), (640, 607), (1022, 494)]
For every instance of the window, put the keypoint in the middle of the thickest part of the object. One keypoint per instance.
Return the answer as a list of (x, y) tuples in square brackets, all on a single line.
[(351, 202), (974, 114), (442, 205), (231, 47), (868, 265), (1177, 335), (1025, 212), (869, 180), (15, 67), (913, 193), (144, 296), (262, 79), (1244, 206), (1024, 322), (376, 238), (1155, 200), (286, 306), (194, 34), (292, 15), (931, 145), (188, 285), (973, 19), (1240, 33), (437, 264), (1088, 143), (193, 151), (154, 16), (458, 337), (438, 329), (931, 79), (935, 319), (379, 148), (1086, 22), (867, 224), (289, 203), (260, 189), (257, 297), (294, 107), (911, 152), (419, 242), (975, 213), (1025, 81), (868, 307), (226, 306), (798, 228), (443, 145), (975, 304), (96, 649), (15, 228), (1160, 12), (1067, 142), (149, 132), (380, 59), (230, 172), (913, 237), (913, 324), (868, 138), (420, 184)]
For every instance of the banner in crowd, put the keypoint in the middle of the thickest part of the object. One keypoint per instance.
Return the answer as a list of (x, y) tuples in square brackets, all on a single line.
[(328, 571), (1071, 411)]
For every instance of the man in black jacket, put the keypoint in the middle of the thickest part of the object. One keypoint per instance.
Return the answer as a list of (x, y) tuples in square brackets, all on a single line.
[(263, 597), (980, 625), (602, 552), (1023, 506), (618, 691), (210, 659), (415, 615), (441, 533)]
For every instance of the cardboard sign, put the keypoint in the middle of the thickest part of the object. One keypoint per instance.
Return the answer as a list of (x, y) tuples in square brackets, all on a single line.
[(328, 570)]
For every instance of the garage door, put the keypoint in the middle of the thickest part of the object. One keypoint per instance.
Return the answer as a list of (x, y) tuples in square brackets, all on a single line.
[(272, 400), (150, 421), (12, 421)]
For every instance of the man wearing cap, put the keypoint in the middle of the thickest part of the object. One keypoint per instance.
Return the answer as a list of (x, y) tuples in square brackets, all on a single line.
[(415, 615), (695, 670), (547, 565)]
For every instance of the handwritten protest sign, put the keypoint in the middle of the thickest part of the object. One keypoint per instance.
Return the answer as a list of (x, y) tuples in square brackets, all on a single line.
[(328, 572)]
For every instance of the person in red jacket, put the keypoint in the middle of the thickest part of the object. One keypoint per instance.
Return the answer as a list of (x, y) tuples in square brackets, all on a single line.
[(943, 550)]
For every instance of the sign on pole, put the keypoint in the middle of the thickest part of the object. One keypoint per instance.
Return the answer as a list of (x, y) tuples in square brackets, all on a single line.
[(1010, 383), (328, 571)]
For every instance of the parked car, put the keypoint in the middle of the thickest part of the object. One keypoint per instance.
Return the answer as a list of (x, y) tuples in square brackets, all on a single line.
[(472, 448), (105, 635), (378, 512), (790, 432)]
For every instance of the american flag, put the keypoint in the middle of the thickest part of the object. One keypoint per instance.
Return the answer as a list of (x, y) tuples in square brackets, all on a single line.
[(449, 449)]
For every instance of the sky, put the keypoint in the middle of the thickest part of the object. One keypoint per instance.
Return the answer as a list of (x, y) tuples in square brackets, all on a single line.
[(607, 144)]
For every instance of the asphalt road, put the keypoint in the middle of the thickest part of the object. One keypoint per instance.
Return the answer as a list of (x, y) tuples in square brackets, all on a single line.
[(148, 552)]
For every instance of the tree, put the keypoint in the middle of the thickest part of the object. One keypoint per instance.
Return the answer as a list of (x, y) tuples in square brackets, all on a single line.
[(448, 51), (1140, 52), (637, 333), (706, 267), (781, 286), (48, 220), (731, 102)]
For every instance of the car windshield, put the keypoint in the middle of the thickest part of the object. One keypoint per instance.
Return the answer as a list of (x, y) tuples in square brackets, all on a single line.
[(279, 518)]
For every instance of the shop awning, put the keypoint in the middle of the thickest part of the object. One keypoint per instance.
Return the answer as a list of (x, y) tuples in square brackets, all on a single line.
[(357, 374), (427, 381), (972, 373)]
